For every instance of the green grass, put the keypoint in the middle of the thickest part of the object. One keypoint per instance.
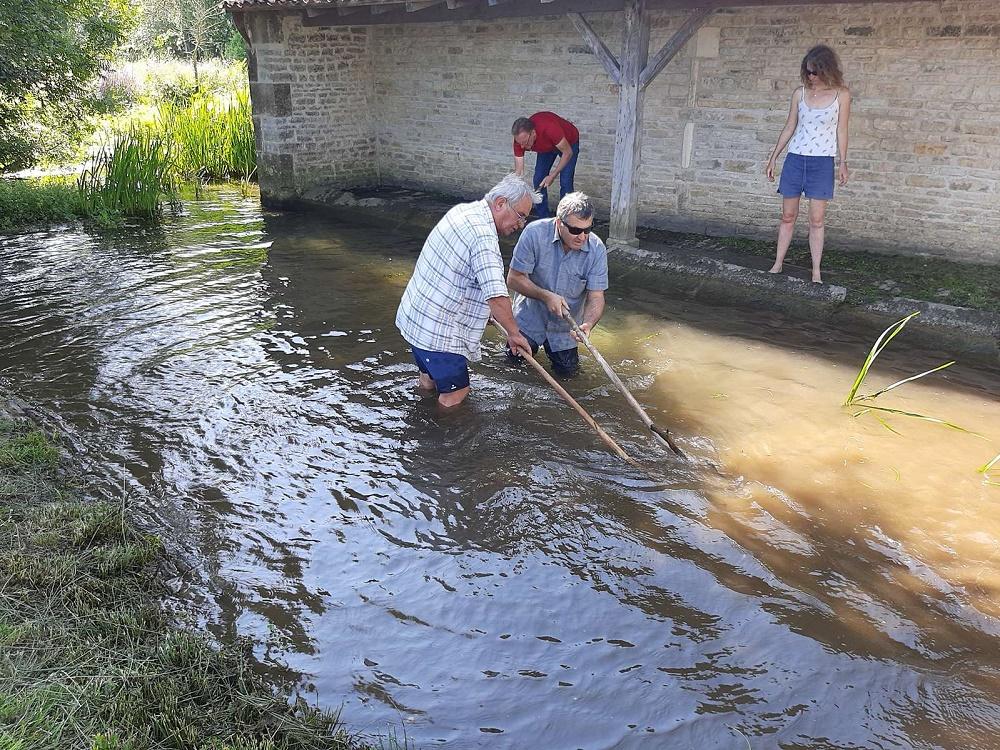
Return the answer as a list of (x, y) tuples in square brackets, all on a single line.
[(89, 659), (140, 168), (143, 158), (35, 202)]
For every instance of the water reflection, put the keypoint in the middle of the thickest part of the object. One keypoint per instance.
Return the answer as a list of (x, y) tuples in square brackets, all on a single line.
[(493, 577)]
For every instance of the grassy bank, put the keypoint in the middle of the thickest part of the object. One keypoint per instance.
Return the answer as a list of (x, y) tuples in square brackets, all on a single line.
[(30, 202), (88, 658)]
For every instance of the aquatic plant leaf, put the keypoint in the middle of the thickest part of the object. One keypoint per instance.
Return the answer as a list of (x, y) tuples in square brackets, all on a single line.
[(880, 343), (987, 466), (935, 420), (903, 382), (890, 428), (985, 471)]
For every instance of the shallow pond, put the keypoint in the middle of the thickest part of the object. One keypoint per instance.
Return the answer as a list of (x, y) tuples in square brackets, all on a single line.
[(494, 577)]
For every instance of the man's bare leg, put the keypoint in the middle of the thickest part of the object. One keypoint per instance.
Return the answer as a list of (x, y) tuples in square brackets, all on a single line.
[(425, 385), (454, 398)]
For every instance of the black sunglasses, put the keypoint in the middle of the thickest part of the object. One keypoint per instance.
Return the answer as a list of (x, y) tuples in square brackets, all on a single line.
[(578, 230), (812, 72)]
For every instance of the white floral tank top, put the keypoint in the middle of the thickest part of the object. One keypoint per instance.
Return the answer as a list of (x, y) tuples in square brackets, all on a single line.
[(816, 131)]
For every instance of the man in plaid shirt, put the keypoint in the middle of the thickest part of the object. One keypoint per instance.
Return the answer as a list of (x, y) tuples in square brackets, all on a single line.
[(458, 283)]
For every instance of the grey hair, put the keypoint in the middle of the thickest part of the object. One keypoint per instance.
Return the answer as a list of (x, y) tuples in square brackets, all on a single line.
[(513, 188), (575, 204)]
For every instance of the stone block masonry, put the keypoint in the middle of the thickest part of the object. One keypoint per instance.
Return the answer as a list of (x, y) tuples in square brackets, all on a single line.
[(312, 101), (430, 106)]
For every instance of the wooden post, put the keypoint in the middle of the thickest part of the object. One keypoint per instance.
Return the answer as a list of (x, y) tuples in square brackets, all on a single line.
[(628, 136)]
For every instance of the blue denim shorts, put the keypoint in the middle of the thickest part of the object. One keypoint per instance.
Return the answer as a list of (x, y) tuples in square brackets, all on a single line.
[(450, 372), (811, 175)]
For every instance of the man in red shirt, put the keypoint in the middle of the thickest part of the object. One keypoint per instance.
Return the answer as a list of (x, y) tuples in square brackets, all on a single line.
[(549, 135)]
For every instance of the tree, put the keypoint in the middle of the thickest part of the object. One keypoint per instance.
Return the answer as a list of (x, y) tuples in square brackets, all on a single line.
[(204, 21), (50, 50), (195, 29)]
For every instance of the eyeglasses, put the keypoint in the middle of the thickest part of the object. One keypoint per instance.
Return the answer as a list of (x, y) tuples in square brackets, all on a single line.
[(522, 217), (576, 231), (812, 72)]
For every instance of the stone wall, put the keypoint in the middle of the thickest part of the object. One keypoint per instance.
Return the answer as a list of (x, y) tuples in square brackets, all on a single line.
[(925, 130), (312, 101)]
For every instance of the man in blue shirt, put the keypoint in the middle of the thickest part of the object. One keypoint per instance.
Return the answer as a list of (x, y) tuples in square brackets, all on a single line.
[(559, 263)]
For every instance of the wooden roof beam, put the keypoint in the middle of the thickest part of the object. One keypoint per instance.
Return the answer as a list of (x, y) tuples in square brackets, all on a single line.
[(674, 45), (597, 46)]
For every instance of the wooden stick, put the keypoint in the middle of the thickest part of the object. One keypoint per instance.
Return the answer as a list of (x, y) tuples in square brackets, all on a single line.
[(662, 434), (572, 402)]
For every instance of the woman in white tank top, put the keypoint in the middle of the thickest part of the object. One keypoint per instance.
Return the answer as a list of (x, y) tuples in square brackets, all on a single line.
[(815, 133)]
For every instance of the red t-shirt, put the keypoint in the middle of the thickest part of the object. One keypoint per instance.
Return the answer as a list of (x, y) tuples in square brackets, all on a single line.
[(550, 128)]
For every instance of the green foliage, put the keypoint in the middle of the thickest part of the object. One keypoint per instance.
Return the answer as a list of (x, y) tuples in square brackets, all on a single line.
[(132, 176), (987, 471), (880, 344), (148, 153), (24, 202), (49, 52), (213, 138), (155, 81), (236, 47), (182, 28)]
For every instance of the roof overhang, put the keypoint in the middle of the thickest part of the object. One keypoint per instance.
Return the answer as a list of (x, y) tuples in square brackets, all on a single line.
[(368, 12)]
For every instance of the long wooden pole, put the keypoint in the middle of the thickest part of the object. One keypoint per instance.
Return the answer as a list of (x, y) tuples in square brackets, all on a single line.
[(661, 434), (572, 402)]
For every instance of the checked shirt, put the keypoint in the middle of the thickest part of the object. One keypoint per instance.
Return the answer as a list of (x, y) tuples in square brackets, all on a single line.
[(444, 305)]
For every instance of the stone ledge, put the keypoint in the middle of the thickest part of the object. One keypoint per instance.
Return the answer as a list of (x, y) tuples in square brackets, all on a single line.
[(703, 266)]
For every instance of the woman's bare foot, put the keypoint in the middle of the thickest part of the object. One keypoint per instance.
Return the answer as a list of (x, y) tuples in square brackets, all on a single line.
[(776, 268), (816, 278)]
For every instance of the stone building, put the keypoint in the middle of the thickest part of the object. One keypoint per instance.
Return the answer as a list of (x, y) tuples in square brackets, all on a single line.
[(352, 93)]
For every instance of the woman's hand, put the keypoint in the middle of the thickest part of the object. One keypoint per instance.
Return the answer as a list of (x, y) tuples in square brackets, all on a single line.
[(843, 173), (769, 169), (546, 181)]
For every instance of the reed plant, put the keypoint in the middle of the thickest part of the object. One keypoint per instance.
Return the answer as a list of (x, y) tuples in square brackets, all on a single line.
[(987, 471), (853, 399), (213, 137), (132, 175)]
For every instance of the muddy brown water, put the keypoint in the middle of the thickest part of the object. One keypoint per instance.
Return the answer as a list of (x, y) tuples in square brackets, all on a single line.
[(493, 577)]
